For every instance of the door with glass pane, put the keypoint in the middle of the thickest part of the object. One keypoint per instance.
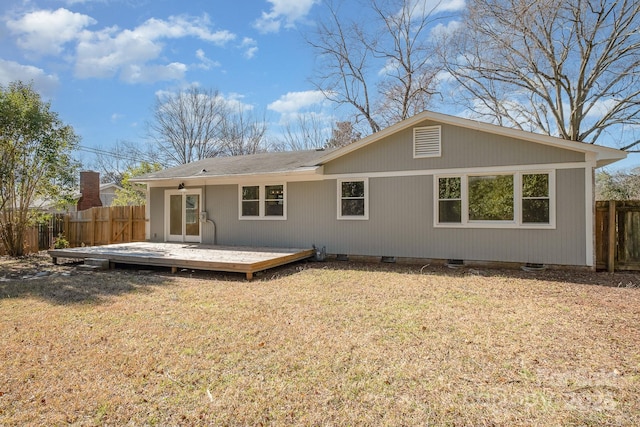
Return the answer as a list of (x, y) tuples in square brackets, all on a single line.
[(183, 217)]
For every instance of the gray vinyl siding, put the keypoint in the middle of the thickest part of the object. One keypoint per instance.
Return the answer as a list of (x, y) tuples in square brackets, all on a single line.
[(156, 221), (400, 224), (461, 148), (401, 208)]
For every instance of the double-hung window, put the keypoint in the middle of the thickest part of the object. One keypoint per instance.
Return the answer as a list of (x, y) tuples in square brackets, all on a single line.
[(263, 201), (493, 200), (353, 199), (450, 199), (536, 202)]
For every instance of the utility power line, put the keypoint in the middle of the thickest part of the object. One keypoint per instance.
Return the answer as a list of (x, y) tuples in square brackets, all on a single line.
[(114, 154)]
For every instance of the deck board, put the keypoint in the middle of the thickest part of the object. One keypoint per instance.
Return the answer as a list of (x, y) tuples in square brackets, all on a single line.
[(248, 260)]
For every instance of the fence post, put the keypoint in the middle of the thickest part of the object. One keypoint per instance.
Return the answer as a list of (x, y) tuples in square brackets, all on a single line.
[(611, 254), (93, 226), (131, 223), (67, 230), (110, 227)]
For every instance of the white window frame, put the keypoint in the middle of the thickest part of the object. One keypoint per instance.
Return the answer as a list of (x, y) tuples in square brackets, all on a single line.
[(366, 199), (262, 193), (438, 199), (517, 201), (437, 135)]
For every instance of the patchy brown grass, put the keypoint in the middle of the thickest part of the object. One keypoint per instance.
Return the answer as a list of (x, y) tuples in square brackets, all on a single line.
[(318, 344)]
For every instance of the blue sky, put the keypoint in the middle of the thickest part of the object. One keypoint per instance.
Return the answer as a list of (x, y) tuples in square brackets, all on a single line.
[(102, 62)]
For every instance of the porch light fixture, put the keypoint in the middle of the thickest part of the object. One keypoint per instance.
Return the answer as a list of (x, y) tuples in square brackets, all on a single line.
[(181, 187)]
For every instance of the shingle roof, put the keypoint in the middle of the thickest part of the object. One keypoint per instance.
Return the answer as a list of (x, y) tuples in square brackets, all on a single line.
[(273, 162)]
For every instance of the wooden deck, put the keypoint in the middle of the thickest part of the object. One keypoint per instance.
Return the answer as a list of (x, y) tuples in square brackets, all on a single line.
[(237, 259)]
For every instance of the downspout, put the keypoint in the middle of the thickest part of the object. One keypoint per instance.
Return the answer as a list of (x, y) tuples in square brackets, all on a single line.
[(147, 213), (206, 216), (590, 209)]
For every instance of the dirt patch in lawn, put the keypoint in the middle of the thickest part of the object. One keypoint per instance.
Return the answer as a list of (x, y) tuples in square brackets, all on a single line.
[(318, 344)]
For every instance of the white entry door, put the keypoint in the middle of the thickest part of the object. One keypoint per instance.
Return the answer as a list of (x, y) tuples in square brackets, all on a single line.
[(182, 216)]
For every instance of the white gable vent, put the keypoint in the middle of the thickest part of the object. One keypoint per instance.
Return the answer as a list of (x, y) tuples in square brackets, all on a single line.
[(426, 142)]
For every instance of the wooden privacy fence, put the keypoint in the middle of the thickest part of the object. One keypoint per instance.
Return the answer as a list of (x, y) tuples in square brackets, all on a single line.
[(618, 235), (41, 236), (30, 242), (106, 225)]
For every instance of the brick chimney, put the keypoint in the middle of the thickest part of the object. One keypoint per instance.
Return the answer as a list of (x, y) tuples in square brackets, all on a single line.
[(90, 190)]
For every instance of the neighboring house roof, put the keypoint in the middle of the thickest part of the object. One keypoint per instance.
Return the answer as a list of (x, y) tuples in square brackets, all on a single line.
[(47, 204), (109, 186), (306, 162)]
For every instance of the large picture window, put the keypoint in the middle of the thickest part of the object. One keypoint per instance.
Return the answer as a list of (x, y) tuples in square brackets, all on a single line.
[(518, 199), (353, 200), (263, 201), (491, 198)]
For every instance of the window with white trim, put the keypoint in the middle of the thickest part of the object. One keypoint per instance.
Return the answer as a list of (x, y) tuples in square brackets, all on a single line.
[(353, 199), (518, 199), (536, 203), (450, 199), (263, 201), (427, 141)]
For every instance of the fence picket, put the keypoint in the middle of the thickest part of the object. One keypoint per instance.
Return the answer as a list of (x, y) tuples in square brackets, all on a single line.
[(618, 235)]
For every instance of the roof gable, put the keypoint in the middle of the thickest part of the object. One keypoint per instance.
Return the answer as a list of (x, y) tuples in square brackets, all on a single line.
[(312, 161), (603, 155)]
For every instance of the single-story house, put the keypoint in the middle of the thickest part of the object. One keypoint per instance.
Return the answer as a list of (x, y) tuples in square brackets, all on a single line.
[(91, 191), (108, 193), (430, 187)]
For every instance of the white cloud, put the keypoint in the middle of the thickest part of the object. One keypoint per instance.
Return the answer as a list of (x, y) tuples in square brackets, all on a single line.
[(250, 46), (72, 2), (233, 101), (46, 32), (134, 55), (111, 51), (205, 63), (153, 73), (438, 6), (293, 102), (444, 30), (600, 108), (283, 12), (180, 26), (42, 82)]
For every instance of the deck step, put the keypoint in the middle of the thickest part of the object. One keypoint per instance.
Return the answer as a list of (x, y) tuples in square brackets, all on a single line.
[(98, 263)]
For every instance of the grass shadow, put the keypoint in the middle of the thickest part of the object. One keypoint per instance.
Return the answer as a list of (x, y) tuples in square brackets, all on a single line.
[(70, 283)]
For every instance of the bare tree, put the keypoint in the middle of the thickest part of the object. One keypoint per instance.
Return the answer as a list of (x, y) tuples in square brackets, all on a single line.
[(345, 65), (114, 162), (186, 125), (241, 132), (343, 134), (618, 185), (410, 70), (196, 124), (387, 74), (305, 131), (569, 68)]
